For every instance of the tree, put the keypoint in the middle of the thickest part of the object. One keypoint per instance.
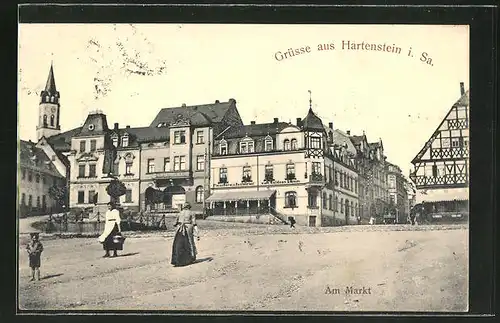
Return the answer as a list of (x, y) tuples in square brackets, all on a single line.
[(115, 189), (59, 194)]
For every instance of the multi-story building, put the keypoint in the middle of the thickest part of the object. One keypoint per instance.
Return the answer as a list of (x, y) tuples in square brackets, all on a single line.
[(398, 196), (441, 168), (37, 173), (282, 170), (370, 162)]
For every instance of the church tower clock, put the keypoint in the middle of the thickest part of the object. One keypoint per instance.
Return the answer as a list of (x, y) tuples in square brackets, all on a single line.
[(49, 109)]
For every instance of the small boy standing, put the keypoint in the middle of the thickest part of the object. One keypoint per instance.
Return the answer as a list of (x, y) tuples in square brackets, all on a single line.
[(34, 249)]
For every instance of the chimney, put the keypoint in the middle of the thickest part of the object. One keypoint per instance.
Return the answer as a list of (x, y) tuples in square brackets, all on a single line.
[(462, 89), (116, 125), (184, 105), (217, 101), (128, 127), (299, 122), (348, 132), (275, 120), (252, 122), (330, 125)]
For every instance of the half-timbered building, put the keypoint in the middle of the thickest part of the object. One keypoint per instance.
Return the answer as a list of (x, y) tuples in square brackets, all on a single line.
[(441, 167)]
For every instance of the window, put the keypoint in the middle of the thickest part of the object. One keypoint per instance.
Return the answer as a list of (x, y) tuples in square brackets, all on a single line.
[(38, 204), (341, 205), (128, 168), (115, 140), (45, 123), (81, 197), (52, 120), (223, 175), (30, 200), (352, 208), (44, 180), (128, 196), (116, 168), (179, 163), (291, 199), (286, 144), (199, 194), (91, 197), (324, 200), (37, 177), (316, 168), (23, 199), (336, 178), (312, 197), (166, 164), (330, 202), (82, 146), (268, 173), (246, 146), (268, 145), (247, 174), (125, 141), (290, 171), (199, 137), (392, 199), (93, 144), (455, 142), (223, 147), (315, 142), (151, 165), (81, 171), (200, 162), (434, 171), (23, 172), (92, 172), (179, 137), (294, 144)]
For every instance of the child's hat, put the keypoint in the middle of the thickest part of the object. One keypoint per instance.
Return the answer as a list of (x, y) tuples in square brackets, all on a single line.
[(34, 234)]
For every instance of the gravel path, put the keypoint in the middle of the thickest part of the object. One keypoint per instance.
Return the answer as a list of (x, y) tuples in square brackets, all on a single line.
[(405, 269)]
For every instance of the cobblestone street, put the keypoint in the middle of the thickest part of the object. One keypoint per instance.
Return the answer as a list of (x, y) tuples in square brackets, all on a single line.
[(406, 268)]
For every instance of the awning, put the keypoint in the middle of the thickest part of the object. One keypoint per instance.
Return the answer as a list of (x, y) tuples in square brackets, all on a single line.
[(446, 194), (238, 195)]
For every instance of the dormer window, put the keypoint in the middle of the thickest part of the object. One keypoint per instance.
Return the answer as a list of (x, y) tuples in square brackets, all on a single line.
[(223, 147), (125, 140), (293, 144), (246, 146), (286, 144), (114, 138), (315, 142), (268, 144)]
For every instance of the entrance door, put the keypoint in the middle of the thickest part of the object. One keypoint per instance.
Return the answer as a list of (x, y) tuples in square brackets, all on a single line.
[(312, 221)]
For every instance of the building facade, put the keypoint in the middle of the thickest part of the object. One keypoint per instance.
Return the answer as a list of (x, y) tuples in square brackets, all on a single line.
[(398, 195), (283, 170), (441, 167)]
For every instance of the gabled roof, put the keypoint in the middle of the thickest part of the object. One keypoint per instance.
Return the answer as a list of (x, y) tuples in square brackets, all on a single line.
[(256, 130), (62, 141), (312, 122), (34, 157), (204, 114), (462, 101)]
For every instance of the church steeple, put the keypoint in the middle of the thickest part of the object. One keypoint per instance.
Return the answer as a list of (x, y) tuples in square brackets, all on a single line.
[(49, 108)]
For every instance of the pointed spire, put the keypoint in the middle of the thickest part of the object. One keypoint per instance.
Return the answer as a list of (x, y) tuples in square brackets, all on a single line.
[(310, 100), (51, 83)]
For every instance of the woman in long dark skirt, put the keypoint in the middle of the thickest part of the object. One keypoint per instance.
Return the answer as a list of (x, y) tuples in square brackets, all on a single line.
[(184, 249)]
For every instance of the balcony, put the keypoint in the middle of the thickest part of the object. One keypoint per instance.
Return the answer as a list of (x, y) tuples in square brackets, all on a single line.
[(315, 179)]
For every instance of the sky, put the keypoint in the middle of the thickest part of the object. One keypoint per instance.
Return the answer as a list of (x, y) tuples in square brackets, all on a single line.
[(130, 72)]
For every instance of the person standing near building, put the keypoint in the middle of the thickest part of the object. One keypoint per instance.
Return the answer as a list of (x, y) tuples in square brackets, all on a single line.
[(111, 238), (34, 249), (184, 248)]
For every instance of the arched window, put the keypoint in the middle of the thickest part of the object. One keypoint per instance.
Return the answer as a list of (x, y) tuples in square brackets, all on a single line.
[(246, 146), (52, 99), (294, 144), (199, 194), (114, 138), (268, 145), (223, 147), (47, 98), (52, 120), (286, 144), (45, 124), (291, 199), (125, 140)]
